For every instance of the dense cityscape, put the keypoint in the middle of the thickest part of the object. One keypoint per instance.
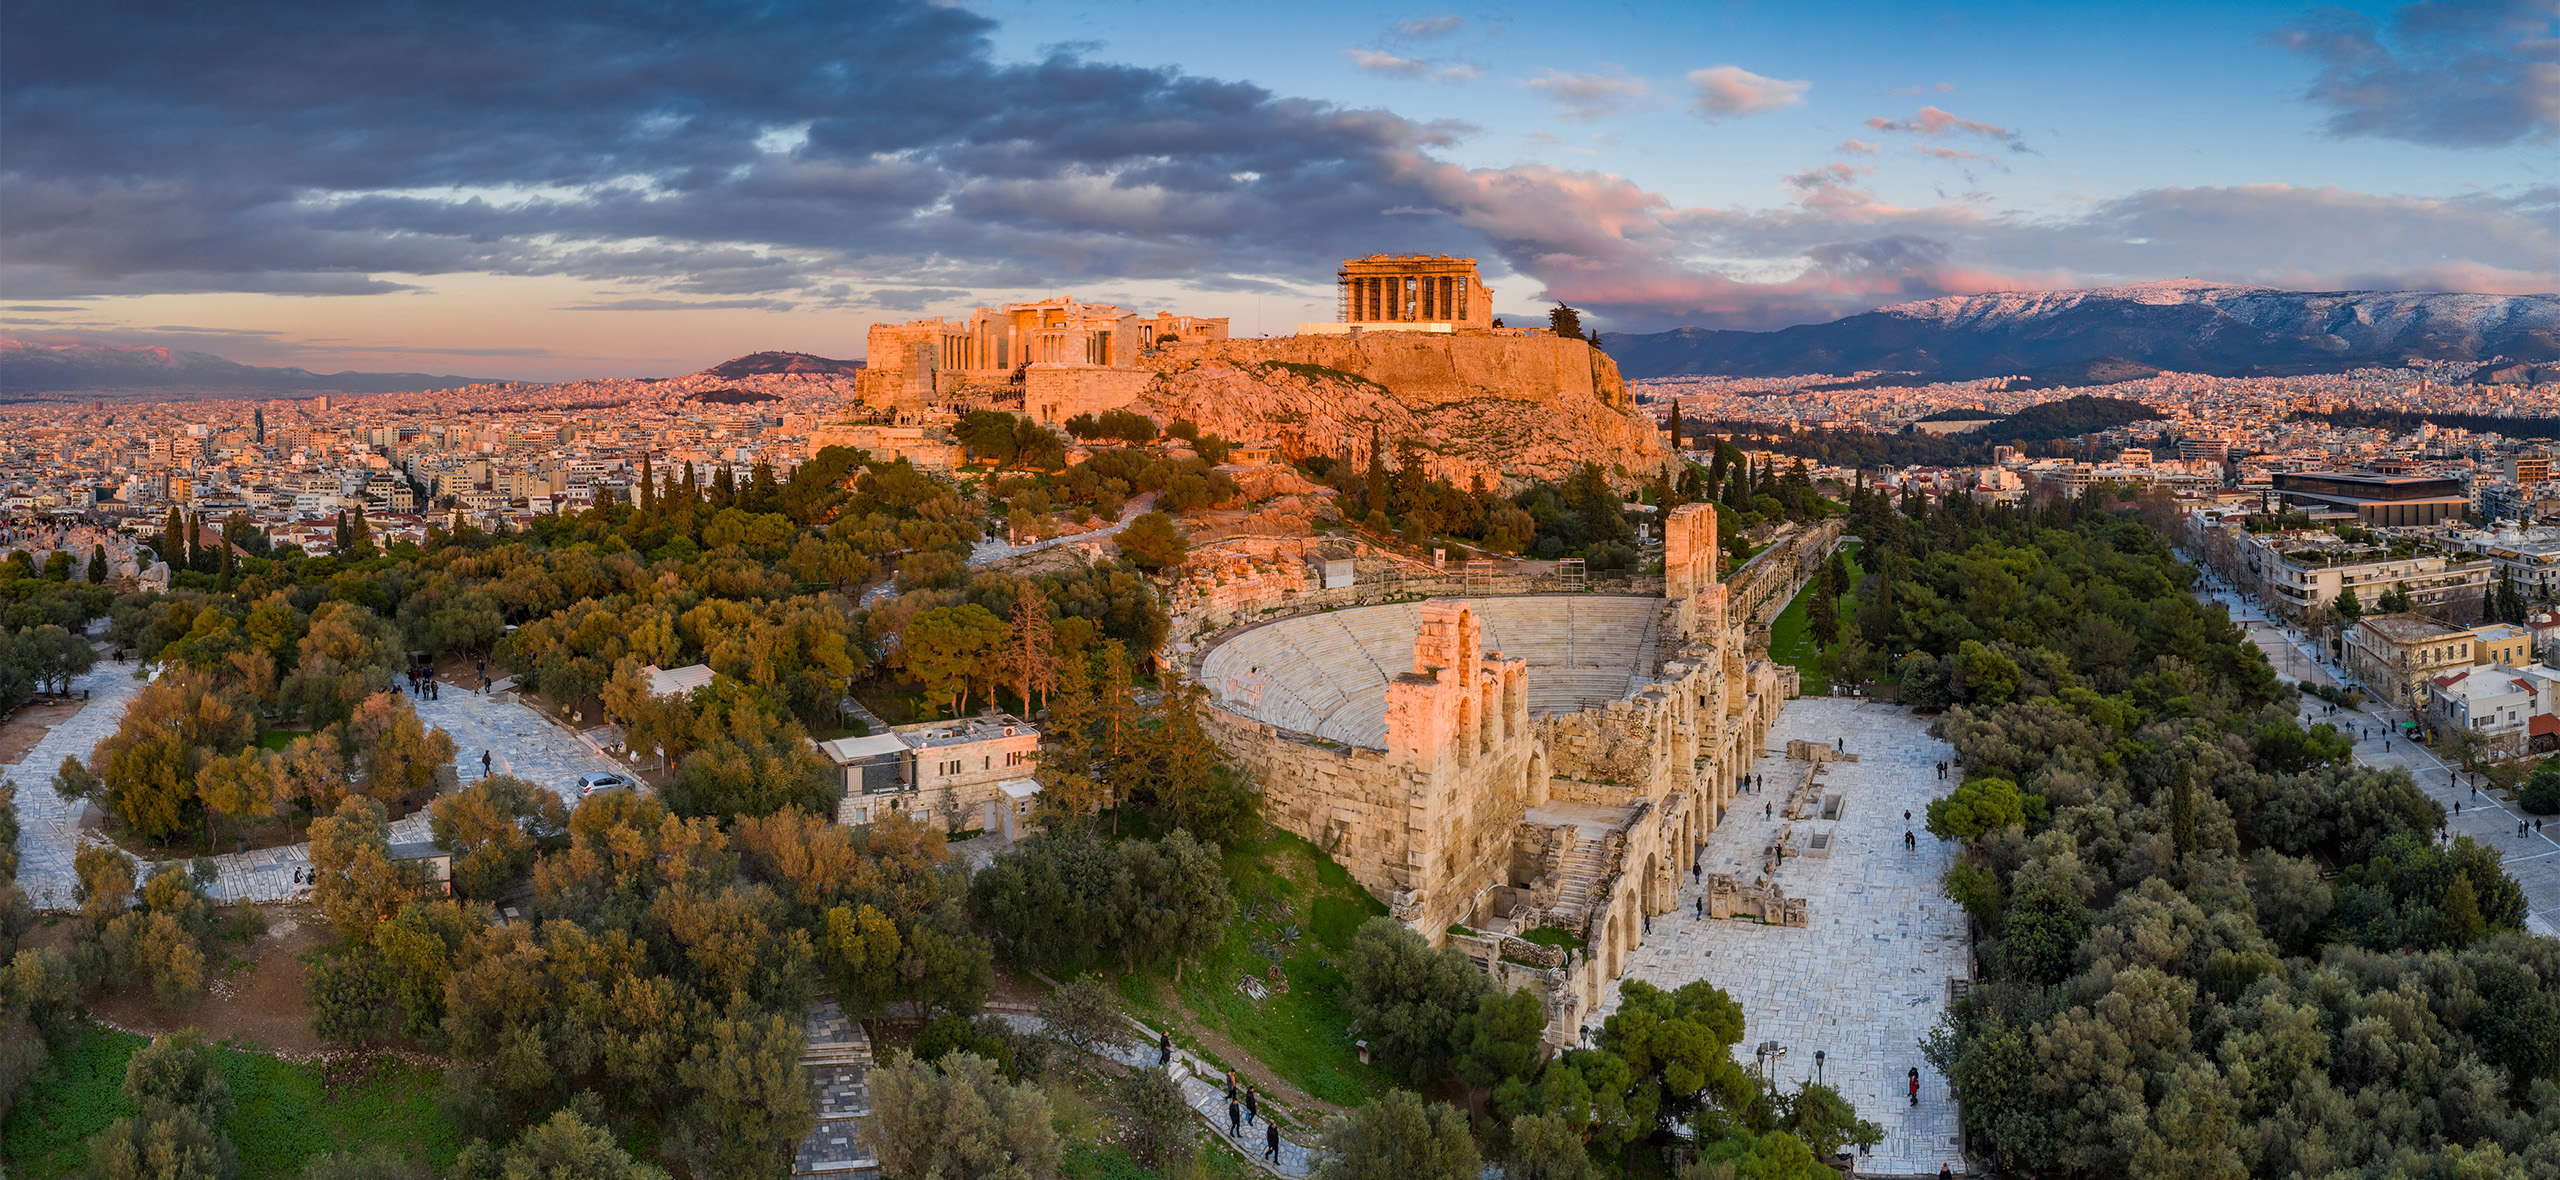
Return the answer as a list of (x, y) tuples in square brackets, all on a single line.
[(943, 590)]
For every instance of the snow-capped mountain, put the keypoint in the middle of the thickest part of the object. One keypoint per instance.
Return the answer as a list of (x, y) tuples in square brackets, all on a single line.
[(2187, 326), (31, 366)]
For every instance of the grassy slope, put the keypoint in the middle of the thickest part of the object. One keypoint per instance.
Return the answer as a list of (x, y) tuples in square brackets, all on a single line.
[(287, 1112), (1791, 638), (1302, 1035)]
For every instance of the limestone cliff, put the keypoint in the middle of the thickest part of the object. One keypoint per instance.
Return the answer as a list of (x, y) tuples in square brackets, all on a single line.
[(1498, 406)]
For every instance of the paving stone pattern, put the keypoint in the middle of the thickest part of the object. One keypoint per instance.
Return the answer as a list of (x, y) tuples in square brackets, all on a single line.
[(519, 740), (2532, 858), (1868, 975), (49, 829)]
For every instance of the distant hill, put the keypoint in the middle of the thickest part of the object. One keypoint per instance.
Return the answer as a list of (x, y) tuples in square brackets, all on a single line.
[(2106, 334), (757, 364), (33, 367)]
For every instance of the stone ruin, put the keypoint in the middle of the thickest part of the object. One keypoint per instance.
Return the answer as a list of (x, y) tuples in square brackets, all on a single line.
[(1727, 898)]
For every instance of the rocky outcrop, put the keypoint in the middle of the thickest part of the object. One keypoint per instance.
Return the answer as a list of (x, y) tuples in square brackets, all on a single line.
[(1501, 407)]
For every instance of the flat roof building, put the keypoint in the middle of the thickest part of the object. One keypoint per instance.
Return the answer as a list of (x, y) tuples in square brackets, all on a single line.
[(2377, 499)]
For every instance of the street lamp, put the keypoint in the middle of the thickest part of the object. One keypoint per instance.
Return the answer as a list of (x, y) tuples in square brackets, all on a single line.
[(1817, 1067)]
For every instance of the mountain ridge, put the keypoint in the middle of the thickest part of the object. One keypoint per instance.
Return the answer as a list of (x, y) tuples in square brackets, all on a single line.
[(2189, 326), (30, 366)]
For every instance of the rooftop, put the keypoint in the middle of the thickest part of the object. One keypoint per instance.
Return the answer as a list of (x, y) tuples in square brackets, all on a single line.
[(2410, 628), (965, 731)]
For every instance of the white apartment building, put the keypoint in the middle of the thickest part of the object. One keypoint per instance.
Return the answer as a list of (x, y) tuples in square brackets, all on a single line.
[(2302, 570)]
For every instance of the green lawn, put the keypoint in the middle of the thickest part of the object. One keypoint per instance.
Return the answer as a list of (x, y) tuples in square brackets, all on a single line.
[(1791, 637), (286, 1112), (1301, 1034)]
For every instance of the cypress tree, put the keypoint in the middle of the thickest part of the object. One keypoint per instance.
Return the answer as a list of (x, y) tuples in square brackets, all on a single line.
[(98, 564), (648, 498), (195, 553), (1377, 490), (173, 540)]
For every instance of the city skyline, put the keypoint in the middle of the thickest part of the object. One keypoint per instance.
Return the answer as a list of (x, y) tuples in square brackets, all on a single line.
[(541, 196)]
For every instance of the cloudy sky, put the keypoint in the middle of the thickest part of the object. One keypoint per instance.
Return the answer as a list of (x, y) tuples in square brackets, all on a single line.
[(547, 190)]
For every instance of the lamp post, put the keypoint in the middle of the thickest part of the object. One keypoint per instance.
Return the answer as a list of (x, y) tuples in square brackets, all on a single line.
[(1817, 1067)]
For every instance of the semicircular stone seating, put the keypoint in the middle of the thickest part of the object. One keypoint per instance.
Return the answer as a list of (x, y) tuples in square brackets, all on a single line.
[(1326, 674)]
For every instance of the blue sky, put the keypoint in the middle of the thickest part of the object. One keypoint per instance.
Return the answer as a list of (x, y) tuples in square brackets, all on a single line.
[(544, 191)]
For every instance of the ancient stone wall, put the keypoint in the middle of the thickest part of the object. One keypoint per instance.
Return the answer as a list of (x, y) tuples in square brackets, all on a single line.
[(1445, 824), (1053, 393)]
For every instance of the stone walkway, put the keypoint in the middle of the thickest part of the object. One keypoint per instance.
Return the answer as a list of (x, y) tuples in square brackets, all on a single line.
[(2533, 859), (49, 828), (1867, 977), (519, 741)]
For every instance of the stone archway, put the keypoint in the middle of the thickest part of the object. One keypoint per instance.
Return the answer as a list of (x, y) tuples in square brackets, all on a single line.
[(1652, 886)]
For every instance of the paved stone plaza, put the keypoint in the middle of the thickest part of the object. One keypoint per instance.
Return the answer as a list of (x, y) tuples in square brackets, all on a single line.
[(519, 741), (1866, 978)]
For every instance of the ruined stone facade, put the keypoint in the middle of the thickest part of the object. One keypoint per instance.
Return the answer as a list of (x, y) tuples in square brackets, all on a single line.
[(908, 364), (1479, 818)]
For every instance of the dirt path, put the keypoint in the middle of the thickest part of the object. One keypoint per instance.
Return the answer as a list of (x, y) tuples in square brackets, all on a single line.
[(28, 725)]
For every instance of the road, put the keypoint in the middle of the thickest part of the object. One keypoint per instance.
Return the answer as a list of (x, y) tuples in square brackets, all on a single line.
[(2532, 858)]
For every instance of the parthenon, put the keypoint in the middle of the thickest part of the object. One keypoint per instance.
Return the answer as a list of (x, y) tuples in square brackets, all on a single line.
[(1412, 290)]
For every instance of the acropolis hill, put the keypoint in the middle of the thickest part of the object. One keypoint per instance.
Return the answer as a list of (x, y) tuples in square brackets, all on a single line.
[(1414, 354)]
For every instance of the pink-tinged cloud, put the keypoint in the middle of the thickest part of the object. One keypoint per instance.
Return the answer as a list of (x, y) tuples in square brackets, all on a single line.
[(1935, 122), (1733, 91), (1378, 61), (1858, 147), (1583, 98), (1937, 152), (1639, 262)]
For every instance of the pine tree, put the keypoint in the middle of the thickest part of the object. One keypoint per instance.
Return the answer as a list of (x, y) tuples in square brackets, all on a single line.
[(724, 489), (1029, 657)]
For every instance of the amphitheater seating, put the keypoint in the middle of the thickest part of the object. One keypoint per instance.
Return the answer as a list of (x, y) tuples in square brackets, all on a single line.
[(1326, 674)]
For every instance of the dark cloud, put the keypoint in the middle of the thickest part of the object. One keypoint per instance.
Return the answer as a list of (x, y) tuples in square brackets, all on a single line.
[(709, 149), (874, 153), (2443, 73)]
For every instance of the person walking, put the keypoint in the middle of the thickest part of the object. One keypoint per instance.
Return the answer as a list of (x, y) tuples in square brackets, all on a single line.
[(1915, 1086), (484, 764), (1271, 1142), (1702, 908), (1768, 811), (1164, 1051), (1252, 1105), (1235, 1120)]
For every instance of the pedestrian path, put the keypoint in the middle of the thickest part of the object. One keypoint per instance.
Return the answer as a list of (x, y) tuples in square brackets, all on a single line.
[(1204, 1088), (519, 741), (1875, 965), (49, 827), (2532, 858)]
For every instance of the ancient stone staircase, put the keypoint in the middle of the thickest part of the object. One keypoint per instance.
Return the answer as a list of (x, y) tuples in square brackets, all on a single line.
[(1581, 870)]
